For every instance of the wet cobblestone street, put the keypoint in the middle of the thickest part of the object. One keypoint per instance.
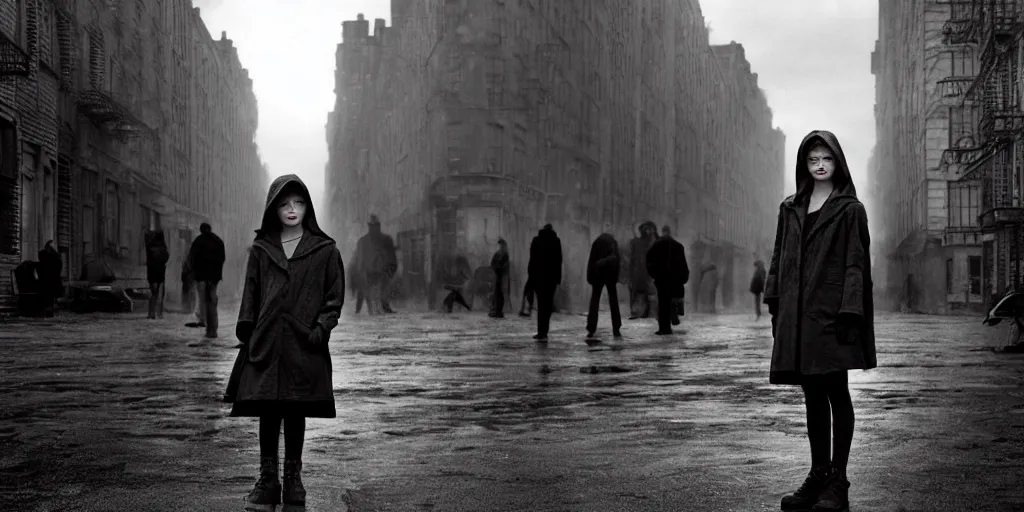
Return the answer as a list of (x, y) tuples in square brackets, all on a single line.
[(467, 413)]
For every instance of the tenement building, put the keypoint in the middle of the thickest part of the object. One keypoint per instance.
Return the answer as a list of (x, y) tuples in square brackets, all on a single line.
[(929, 239), (119, 117), (467, 121)]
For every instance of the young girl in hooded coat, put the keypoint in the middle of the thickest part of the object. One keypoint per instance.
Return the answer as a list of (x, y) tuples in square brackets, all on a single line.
[(293, 294), (818, 291)]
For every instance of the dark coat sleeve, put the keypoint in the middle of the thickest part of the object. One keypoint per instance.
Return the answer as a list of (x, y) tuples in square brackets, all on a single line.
[(556, 265), (249, 310), (771, 285), (334, 292), (856, 261), (221, 254), (652, 256), (684, 267)]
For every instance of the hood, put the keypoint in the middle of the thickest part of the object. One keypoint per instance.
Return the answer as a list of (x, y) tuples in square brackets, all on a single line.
[(269, 213), (547, 233), (841, 178), (314, 237), (155, 239), (646, 224)]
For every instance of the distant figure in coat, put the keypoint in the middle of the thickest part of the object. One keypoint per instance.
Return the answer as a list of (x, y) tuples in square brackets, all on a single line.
[(666, 264), (640, 286), (206, 259), (50, 286), (757, 286), (452, 273), (156, 270), (818, 291), (544, 270), (500, 266), (294, 291), (603, 273), (375, 264)]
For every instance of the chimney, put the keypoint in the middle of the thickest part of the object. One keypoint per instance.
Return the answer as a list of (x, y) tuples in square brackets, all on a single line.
[(378, 24), (223, 35)]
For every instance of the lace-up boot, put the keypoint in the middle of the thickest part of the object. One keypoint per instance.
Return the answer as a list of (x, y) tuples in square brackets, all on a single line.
[(294, 493), (266, 494), (807, 495), (836, 497)]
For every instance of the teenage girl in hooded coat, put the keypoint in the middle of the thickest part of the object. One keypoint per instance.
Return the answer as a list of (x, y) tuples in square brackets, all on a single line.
[(818, 291), (294, 290)]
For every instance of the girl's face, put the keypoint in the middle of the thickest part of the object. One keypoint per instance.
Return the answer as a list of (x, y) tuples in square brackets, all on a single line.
[(291, 209), (821, 163)]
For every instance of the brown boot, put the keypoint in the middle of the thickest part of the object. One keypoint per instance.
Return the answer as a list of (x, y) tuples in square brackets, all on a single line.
[(266, 494), (294, 492)]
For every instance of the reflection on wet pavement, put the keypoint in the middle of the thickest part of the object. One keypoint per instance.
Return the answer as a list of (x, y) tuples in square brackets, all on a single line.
[(466, 412)]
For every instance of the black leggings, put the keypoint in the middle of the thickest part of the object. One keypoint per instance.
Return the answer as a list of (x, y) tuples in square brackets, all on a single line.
[(829, 418), (294, 435)]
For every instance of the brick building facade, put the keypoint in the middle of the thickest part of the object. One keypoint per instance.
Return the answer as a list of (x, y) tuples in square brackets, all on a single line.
[(465, 121), (129, 117), (929, 237)]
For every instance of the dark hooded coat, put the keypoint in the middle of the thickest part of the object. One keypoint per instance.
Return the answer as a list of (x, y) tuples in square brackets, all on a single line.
[(49, 269), (157, 256), (605, 261), (819, 290), (639, 277), (289, 307), (666, 263), (544, 269)]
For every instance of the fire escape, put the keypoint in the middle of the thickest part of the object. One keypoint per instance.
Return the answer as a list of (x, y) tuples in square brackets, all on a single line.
[(992, 151), (96, 102), (14, 59)]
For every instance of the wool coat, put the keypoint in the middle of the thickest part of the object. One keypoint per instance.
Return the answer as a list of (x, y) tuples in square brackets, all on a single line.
[(544, 270), (666, 264), (289, 307), (206, 258), (157, 256), (818, 286), (605, 261)]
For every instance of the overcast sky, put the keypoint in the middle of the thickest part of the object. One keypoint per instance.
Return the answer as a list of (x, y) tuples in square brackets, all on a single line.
[(812, 56)]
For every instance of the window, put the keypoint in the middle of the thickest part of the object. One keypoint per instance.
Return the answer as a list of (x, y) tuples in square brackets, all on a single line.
[(974, 274), (949, 276), (964, 204)]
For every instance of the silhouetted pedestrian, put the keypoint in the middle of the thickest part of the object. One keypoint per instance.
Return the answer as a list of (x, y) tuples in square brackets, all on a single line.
[(666, 264), (50, 285), (500, 267), (544, 270), (206, 258), (603, 268), (157, 256), (757, 286)]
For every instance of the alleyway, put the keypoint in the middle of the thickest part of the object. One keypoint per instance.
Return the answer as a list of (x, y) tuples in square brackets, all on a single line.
[(459, 414)]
